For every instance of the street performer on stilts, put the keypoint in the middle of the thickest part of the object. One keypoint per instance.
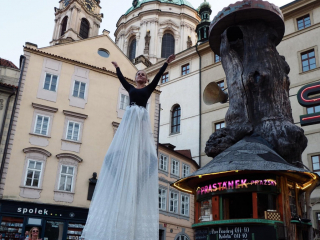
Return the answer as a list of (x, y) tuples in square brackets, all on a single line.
[(125, 201)]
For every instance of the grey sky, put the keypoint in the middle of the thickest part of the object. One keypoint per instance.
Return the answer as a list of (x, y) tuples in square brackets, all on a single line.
[(33, 21)]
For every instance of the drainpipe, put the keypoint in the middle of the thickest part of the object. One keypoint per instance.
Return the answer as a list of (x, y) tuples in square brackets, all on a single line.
[(199, 104), (158, 128), (22, 61), (5, 114)]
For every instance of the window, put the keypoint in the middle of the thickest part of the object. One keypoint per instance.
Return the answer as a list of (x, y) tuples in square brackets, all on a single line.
[(66, 178), (132, 49), (50, 82), (185, 170), (84, 28), (185, 69), (221, 85), (162, 199), (308, 60), (79, 89), (163, 163), (103, 53), (205, 211), (33, 173), (184, 205), (304, 22), (175, 167), (73, 131), (42, 125), (124, 101), (175, 120), (219, 125), (314, 109), (167, 45), (217, 58), (64, 25), (173, 202), (182, 237), (165, 77), (315, 163)]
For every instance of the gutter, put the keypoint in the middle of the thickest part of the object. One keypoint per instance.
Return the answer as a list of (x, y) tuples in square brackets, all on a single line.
[(5, 114), (199, 104), (22, 64), (158, 128)]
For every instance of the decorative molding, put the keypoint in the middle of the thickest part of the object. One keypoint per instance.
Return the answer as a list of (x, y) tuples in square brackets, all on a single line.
[(169, 23), (37, 150), (44, 108), (69, 155), (74, 114), (162, 179), (149, 20)]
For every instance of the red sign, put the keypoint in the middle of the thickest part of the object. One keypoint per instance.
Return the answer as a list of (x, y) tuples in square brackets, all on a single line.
[(308, 96)]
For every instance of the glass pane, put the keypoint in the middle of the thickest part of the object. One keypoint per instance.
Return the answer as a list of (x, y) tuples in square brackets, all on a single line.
[(70, 128), (306, 68), (222, 125), (54, 83), (315, 166), (76, 89), (310, 110), (47, 81), (38, 165), (304, 56), (70, 170), (76, 132), (312, 66), (132, 49), (82, 90), (45, 125), (311, 54), (38, 125), (54, 231), (35, 182), (31, 164), (36, 175), (305, 63), (103, 53), (28, 182), (315, 159), (69, 182), (312, 61), (29, 174), (62, 181), (64, 169), (317, 108)]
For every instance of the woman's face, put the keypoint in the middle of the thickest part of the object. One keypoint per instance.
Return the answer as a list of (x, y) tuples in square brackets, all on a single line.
[(141, 77), (34, 232)]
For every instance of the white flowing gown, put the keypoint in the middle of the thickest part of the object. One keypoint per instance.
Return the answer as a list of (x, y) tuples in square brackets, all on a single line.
[(125, 201)]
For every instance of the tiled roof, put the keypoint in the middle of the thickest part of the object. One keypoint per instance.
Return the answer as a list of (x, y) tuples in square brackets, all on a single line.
[(186, 153), (7, 63), (8, 85)]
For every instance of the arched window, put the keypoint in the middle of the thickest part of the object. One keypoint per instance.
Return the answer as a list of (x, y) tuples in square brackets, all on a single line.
[(182, 237), (175, 119), (132, 49), (64, 25), (167, 45), (84, 28)]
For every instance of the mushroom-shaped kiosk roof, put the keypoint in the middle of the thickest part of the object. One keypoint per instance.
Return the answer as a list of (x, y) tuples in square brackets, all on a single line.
[(251, 155), (243, 11)]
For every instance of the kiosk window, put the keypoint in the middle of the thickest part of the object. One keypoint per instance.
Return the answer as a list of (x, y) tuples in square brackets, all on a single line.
[(237, 206), (266, 202), (206, 211)]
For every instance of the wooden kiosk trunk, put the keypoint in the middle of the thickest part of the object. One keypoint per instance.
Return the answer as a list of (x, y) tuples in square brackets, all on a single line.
[(249, 192)]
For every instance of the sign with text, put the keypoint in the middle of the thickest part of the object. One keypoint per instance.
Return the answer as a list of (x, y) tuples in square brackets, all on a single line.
[(250, 232), (308, 96)]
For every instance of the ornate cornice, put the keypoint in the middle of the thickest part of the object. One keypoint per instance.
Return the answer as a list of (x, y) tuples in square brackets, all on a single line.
[(69, 155), (169, 23), (74, 114), (44, 108), (37, 150), (149, 20)]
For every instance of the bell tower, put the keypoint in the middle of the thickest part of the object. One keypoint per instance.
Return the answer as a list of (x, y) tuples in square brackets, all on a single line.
[(76, 20), (203, 27)]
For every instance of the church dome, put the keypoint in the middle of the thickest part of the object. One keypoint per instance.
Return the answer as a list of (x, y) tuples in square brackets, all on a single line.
[(177, 2), (205, 4)]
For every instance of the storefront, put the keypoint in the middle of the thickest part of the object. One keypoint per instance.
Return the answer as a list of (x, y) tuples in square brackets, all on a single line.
[(55, 222)]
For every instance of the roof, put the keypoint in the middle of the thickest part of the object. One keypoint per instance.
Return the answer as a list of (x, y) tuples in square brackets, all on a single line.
[(7, 63), (8, 85), (186, 153), (176, 2)]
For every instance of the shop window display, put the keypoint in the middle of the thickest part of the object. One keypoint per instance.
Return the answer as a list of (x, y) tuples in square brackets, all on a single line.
[(75, 231), (206, 211), (54, 230), (11, 228)]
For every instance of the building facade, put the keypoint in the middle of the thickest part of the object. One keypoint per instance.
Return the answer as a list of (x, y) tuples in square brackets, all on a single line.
[(176, 209), (185, 89), (156, 29)]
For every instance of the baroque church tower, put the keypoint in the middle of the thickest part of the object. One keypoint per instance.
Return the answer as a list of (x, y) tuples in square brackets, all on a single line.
[(76, 20)]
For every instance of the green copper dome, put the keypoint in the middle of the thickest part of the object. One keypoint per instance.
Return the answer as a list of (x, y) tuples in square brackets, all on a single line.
[(177, 2)]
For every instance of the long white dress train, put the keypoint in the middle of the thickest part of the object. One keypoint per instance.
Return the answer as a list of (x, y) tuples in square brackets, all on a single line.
[(125, 201)]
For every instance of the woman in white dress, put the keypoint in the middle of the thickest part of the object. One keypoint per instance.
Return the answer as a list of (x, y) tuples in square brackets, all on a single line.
[(125, 202)]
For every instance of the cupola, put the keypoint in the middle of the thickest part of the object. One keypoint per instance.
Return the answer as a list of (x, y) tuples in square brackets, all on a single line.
[(202, 29)]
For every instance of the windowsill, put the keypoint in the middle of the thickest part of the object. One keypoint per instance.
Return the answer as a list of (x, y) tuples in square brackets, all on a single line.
[(174, 176), (29, 187), (49, 90), (72, 141), (174, 134), (39, 135), (163, 172), (172, 214), (60, 191), (313, 70)]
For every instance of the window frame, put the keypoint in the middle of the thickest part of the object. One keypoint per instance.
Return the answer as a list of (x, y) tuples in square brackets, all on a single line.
[(79, 131), (166, 74), (59, 182), (182, 169), (44, 82), (303, 18), (177, 201), (165, 198), (120, 102), (181, 203), (187, 71), (219, 83), (64, 25), (35, 124), (219, 123), (299, 55), (312, 164), (26, 174), (132, 39), (314, 110), (174, 128), (167, 161), (215, 58), (176, 168), (166, 53), (85, 89), (81, 28), (308, 59)]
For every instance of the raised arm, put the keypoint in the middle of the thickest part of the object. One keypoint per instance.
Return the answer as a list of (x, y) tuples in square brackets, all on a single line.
[(152, 86), (123, 81)]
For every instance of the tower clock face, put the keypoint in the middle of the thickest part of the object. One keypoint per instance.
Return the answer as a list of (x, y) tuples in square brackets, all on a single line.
[(89, 5)]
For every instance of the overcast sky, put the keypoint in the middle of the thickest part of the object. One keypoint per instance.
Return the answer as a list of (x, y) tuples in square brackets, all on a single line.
[(33, 21)]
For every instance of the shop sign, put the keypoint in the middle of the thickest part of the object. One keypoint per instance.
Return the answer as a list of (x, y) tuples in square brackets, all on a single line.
[(234, 184), (308, 97)]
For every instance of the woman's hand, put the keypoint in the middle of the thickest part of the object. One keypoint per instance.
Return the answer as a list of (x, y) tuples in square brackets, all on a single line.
[(171, 58), (115, 64)]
